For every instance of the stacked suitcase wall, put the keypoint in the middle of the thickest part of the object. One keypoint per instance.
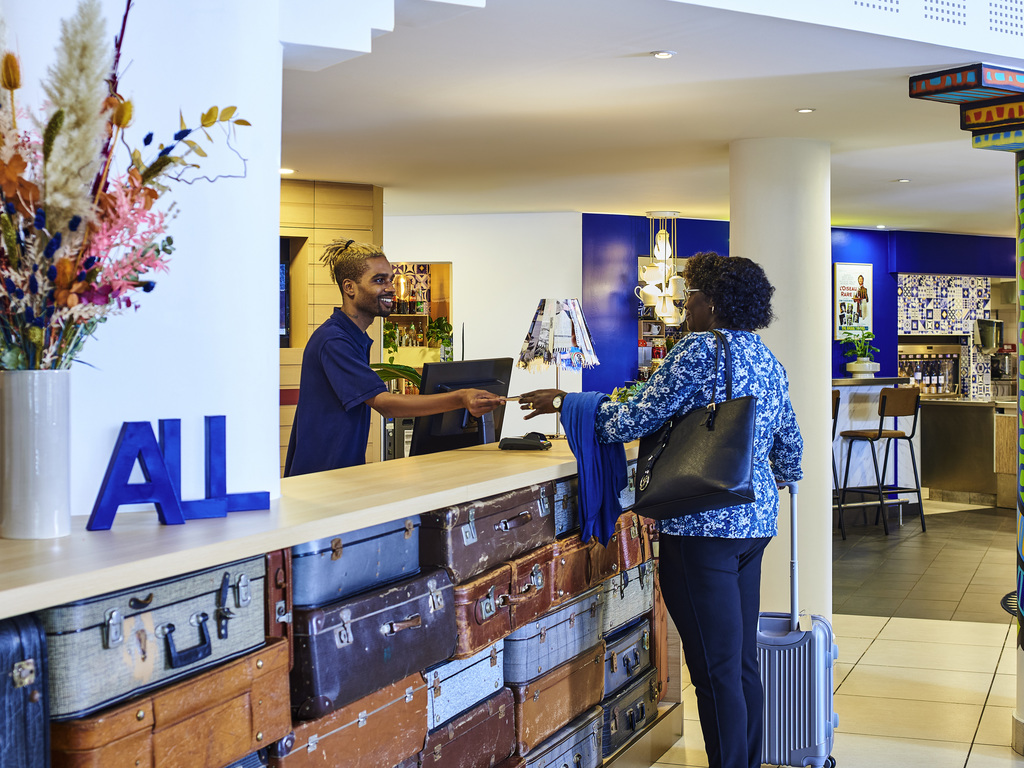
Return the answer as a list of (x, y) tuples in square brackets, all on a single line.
[(426, 696)]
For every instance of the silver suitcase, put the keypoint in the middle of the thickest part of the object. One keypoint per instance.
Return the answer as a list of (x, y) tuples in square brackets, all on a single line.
[(554, 638), (111, 647), (577, 745), (627, 655), (796, 673), (336, 567), (567, 506), (628, 596), (455, 686)]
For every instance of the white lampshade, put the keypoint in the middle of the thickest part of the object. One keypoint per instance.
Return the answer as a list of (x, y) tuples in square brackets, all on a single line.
[(649, 295), (664, 307), (662, 246), (677, 287), (653, 274), (675, 319)]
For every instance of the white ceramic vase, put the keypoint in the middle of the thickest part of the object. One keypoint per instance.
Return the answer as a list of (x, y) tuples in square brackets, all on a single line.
[(35, 454), (862, 368)]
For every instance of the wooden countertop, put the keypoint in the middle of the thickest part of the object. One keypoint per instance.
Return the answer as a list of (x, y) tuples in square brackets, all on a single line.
[(43, 573)]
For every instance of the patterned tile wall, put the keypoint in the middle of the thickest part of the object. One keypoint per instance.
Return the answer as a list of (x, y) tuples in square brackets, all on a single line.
[(943, 304)]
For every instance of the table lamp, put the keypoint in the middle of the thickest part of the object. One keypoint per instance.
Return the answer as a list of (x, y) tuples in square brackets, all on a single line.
[(558, 336)]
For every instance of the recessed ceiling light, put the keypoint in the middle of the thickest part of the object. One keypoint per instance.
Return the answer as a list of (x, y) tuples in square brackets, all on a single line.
[(902, 181), (879, 226), (663, 54), (805, 110), (286, 171)]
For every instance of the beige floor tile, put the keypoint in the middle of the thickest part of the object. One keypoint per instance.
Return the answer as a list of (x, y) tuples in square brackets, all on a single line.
[(927, 609), (901, 653), (854, 750), (847, 625), (1007, 662), (689, 750), (991, 615), (934, 631), (988, 756), (925, 591), (839, 673), (918, 684), (689, 697), (1011, 637), (900, 718), (851, 649), (996, 726), (1004, 691), (998, 570)]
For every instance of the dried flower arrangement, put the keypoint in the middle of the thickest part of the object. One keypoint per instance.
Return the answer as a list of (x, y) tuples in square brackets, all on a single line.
[(79, 237)]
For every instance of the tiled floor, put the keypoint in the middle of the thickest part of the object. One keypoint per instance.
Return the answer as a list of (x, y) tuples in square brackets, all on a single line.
[(926, 675)]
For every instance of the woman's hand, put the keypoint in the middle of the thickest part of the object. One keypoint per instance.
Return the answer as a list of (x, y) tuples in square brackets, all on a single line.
[(539, 401)]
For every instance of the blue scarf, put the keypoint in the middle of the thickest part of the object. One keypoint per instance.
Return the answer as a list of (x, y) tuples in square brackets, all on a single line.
[(601, 466)]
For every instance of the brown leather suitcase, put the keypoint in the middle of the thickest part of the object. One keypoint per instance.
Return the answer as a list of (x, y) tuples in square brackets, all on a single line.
[(382, 729), (483, 614), (629, 546), (478, 738), (572, 569), (212, 719), (546, 704), (278, 592), (468, 539), (659, 637), (531, 585)]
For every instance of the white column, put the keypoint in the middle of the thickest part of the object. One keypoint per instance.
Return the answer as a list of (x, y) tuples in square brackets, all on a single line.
[(779, 217)]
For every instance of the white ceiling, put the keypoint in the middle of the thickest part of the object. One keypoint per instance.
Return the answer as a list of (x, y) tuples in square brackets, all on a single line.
[(556, 105)]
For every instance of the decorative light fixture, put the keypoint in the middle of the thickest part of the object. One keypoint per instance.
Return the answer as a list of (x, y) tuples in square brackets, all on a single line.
[(558, 336), (902, 181), (879, 226), (660, 285), (805, 110), (663, 54), (286, 171)]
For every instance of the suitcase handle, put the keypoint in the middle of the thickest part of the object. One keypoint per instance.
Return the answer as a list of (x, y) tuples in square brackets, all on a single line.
[(521, 519), (393, 627), (191, 655)]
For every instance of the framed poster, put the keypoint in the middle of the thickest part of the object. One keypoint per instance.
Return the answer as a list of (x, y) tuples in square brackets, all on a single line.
[(851, 299)]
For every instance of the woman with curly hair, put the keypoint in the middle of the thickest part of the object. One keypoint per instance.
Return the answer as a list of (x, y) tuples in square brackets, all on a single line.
[(711, 561)]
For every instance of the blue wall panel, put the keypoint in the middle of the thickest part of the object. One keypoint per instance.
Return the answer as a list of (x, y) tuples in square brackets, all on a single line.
[(933, 253), (865, 246)]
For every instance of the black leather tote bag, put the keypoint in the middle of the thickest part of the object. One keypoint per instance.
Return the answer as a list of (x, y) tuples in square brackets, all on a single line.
[(701, 460)]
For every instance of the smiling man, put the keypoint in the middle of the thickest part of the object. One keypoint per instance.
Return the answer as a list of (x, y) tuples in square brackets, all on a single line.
[(337, 387)]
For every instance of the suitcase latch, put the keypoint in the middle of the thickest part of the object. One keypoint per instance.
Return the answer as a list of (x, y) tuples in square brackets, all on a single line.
[(645, 640), (487, 606), (336, 547), (343, 634), (409, 693), (114, 628), (362, 718), (224, 614), (623, 583), (436, 596), (409, 527), (537, 577), (437, 685), (545, 508), (469, 529), (312, 743), (543, 634), (243, 591), (281, 613), (494, 656), (24, 673), (615, 662), (572, 620)]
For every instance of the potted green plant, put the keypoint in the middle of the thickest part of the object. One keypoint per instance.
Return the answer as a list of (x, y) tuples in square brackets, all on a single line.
[(391, 371), (439, 334), (863, 367)]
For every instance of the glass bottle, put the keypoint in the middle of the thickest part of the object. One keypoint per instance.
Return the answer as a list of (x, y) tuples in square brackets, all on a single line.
[(940, 386), (918, 370)]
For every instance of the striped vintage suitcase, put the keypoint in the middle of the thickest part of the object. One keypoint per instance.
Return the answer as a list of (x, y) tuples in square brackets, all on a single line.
[(796, 673), (627, 655), (629, 711), (457, 685), (24, 702), (577, 745), (108, 648), (628, 596)]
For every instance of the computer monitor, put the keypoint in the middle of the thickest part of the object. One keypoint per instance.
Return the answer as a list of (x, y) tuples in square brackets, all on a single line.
[(458, 428)]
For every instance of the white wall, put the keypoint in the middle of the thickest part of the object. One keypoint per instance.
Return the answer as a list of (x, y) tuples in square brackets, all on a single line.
[(502, 264), (205, 341)]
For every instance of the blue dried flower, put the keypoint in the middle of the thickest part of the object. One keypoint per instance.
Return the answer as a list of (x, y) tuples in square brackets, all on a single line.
[(19, 294), (89, 263), (52, 246), (80, 276), (51, 273), (166, 151), (33, 284), (50, 309), (40, 221), (75, 222), (148, 286), (29, 314), (39, 322), (149, 139), (9, 285), (182, 134), (9, 207)]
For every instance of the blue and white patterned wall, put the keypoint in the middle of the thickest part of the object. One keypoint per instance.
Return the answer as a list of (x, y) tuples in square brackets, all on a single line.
[(941, 304)]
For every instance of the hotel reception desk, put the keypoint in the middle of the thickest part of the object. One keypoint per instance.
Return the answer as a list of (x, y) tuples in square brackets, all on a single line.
[(137, 550)]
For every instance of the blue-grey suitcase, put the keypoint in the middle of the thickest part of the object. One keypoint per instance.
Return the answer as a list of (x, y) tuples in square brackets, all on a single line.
[(628, 596), (577, 745), (457, 685), (796, 673), (329, 569), (629, 711), (627, 496), (554, 638), (25, 731), (567, 506), (627, 655)]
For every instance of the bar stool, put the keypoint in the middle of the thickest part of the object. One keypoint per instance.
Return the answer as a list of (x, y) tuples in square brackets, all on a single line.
[(835, 472), (892, 403)]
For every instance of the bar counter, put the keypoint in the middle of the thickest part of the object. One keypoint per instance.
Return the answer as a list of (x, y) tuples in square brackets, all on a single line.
[(42, 573)]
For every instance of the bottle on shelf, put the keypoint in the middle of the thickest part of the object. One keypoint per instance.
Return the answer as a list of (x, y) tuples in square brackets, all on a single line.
[(918, 370), (419, 335), (940, 384)]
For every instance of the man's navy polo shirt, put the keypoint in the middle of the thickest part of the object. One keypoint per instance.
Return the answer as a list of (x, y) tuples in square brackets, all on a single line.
[(332, 420)]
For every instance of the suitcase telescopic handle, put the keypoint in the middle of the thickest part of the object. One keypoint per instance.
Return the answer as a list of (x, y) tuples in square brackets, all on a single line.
[(794, 593)]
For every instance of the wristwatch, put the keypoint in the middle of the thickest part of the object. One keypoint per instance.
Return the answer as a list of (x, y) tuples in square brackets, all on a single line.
[(556, 402)]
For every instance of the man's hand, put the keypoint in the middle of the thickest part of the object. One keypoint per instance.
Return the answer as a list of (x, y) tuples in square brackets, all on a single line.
[(479, 401), (538, 401)]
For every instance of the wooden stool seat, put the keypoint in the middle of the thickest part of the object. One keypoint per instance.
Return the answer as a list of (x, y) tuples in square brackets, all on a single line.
[(874, 434)]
